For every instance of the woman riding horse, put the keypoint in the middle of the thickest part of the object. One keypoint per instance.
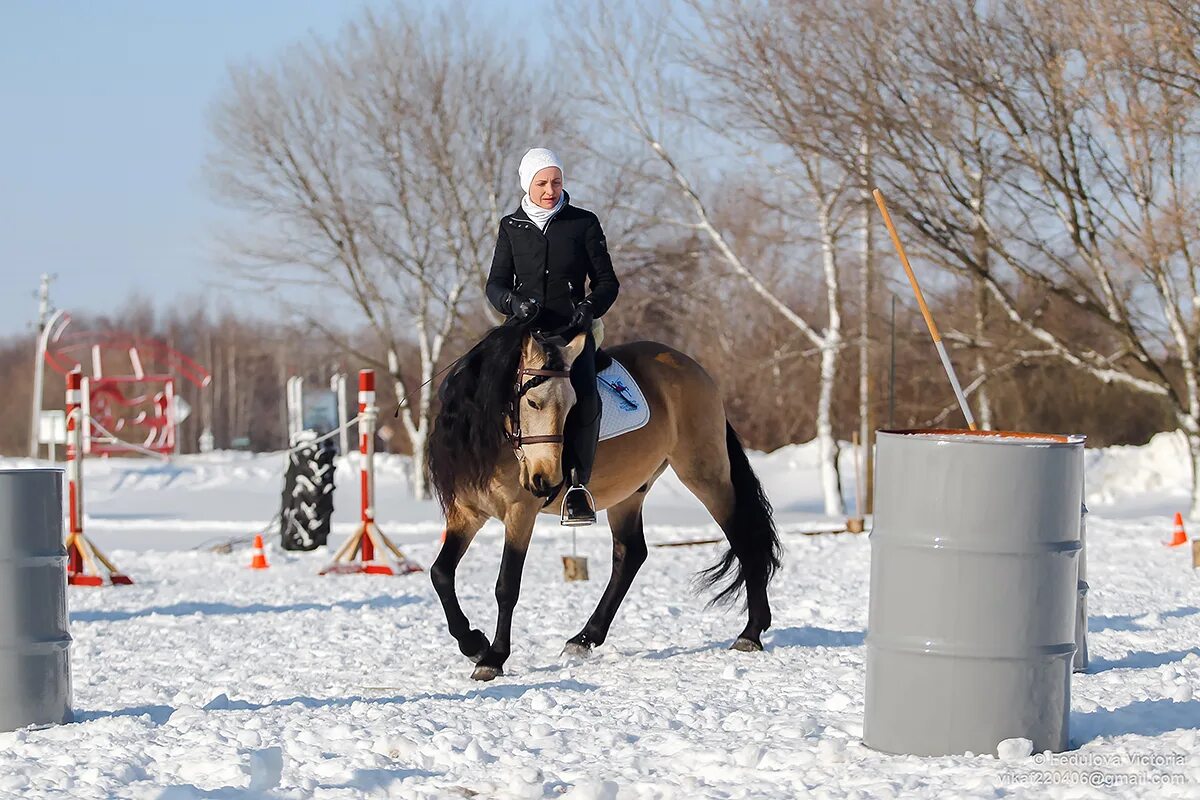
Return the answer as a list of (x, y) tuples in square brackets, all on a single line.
[(545, 251), (514, 393)]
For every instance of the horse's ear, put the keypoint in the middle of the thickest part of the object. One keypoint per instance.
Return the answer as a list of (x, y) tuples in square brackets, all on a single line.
[(532, 351), (574, 348)]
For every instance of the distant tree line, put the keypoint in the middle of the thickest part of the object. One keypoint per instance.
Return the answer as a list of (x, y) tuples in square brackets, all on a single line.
[(768, 381)]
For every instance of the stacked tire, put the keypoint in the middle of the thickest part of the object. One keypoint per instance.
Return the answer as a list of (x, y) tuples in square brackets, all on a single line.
[(307, 503)]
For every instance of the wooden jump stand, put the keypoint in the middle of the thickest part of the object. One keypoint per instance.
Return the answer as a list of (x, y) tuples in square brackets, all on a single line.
[(368, 543), (86, 565)]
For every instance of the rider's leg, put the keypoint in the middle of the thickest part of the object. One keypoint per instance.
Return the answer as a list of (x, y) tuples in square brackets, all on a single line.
[(582, 434)]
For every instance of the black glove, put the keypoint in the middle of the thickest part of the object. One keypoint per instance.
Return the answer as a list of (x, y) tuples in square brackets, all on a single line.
[(524, 308), (581, 320)]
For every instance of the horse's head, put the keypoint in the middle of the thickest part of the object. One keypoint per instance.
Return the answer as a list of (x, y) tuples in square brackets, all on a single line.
[(542, 399)]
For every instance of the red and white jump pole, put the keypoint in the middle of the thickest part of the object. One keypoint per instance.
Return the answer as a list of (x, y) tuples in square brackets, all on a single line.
[(368, 540), (84, 560), (367, 413), (74, 477)]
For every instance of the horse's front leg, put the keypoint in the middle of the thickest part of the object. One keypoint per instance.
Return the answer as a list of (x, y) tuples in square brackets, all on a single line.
[(518, 529), (461, 527), (628, 555)]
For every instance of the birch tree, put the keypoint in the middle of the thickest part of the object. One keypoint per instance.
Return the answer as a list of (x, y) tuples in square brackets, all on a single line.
[(638, 82), (1082, 120), (1100, 200), (374, 170)]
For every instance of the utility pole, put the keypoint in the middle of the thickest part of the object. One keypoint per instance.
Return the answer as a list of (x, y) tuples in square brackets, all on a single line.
[(43, 301), (867, 272), (49, 324), (40, 362)]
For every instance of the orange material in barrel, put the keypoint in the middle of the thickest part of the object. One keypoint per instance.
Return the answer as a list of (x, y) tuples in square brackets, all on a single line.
[(1048, 437)]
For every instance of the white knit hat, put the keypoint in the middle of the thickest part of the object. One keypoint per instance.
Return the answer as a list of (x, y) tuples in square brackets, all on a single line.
[(534, 162)]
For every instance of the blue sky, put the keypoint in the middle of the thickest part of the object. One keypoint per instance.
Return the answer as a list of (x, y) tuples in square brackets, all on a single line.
[(103, 134)]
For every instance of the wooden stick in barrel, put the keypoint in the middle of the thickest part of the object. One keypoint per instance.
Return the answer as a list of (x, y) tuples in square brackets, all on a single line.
[(929, 323)]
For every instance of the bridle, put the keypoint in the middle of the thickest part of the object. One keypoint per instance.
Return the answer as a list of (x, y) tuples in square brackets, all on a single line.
[(537, 378)]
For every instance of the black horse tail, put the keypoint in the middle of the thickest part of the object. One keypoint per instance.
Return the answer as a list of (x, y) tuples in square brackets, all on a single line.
[(754, 550)]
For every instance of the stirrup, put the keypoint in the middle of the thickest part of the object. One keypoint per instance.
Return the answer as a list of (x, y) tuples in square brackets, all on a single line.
[(577, 521)]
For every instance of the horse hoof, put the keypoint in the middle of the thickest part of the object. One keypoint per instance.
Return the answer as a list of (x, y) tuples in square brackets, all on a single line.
[(576, 650), (746, 645), (485, 672)]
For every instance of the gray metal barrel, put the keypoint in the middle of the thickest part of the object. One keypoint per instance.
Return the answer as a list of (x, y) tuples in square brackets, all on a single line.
[(974, 571), (1081, 616), (34, 638)]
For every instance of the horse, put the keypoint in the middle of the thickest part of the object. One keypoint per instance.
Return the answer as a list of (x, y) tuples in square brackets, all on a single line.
[(496, 450)]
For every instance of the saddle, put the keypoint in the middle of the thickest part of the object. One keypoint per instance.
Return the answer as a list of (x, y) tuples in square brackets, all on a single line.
[(623, 406)]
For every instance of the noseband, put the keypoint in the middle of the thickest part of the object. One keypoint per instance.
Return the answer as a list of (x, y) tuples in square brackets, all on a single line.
[(537, 378)]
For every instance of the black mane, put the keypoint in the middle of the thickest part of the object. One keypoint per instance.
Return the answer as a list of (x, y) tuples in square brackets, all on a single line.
[(468, 434)]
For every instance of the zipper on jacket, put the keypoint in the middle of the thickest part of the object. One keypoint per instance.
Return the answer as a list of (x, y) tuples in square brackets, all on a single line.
[(546, 269)]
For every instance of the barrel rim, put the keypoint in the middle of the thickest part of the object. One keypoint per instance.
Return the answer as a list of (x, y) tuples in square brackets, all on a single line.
[(29, 646), (58, 559), (958, 435), (926, 646), (1034, 548), (20, 470)]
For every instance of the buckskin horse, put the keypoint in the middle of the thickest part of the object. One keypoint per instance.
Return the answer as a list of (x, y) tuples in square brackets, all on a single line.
[(509, 396)]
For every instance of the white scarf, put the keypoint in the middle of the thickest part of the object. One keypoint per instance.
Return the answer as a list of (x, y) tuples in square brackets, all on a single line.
[(541, 216)]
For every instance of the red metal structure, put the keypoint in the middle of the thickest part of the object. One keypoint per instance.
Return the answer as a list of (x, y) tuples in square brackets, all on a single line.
[(84, 561), (131, 405)]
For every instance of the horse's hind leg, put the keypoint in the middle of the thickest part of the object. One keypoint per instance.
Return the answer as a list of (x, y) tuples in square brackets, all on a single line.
[(461, 527), (629, 553), (703, 466)]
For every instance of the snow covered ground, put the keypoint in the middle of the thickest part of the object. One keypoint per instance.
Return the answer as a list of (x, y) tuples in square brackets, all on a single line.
[(206, 679)]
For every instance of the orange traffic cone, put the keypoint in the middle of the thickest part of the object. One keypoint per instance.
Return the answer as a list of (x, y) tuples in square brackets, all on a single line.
[(1180, 537), (259, 560)]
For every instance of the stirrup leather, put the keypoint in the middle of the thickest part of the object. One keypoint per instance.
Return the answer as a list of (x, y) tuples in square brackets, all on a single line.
[(564, 520)]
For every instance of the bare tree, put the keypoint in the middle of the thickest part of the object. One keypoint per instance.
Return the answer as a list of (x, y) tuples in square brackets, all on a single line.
[(638, 82), (374, 169), (1045, 151)]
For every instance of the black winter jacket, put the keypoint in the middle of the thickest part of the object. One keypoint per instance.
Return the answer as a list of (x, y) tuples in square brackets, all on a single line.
[(552, 267)]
